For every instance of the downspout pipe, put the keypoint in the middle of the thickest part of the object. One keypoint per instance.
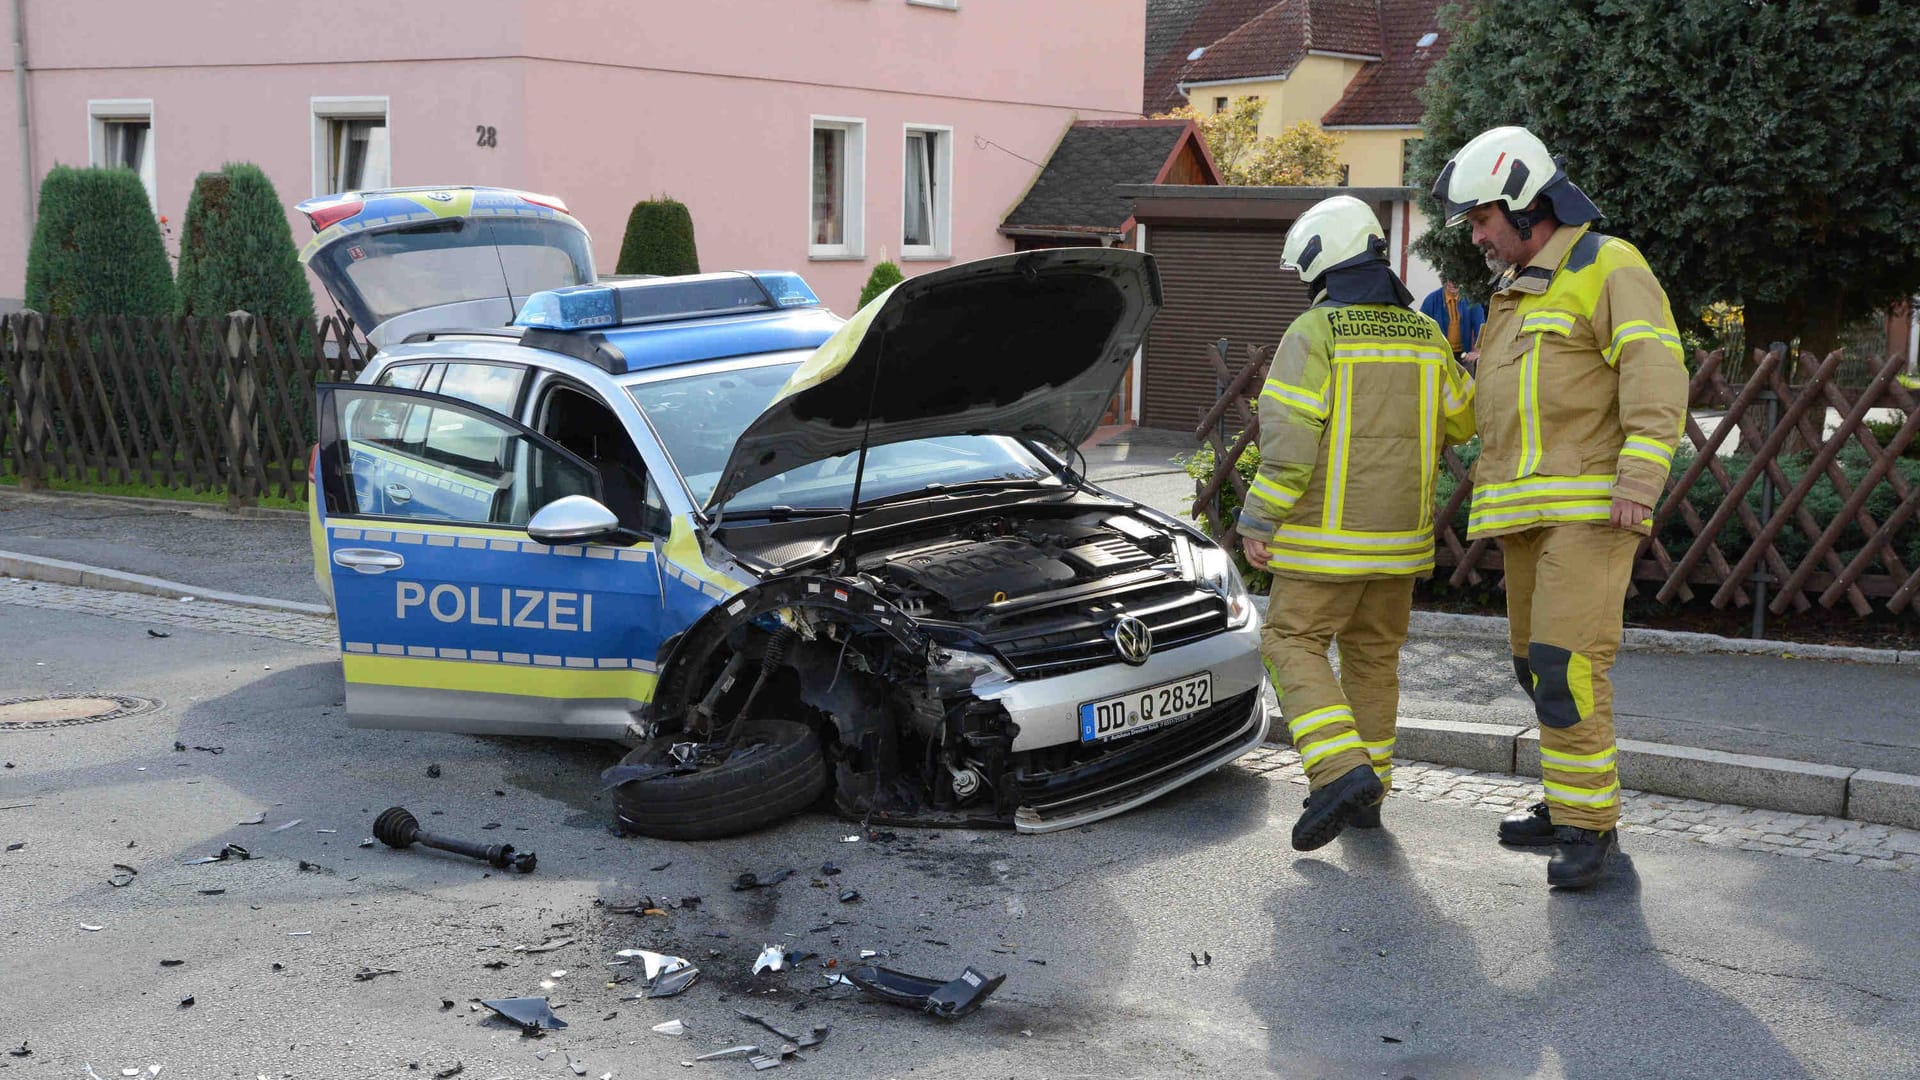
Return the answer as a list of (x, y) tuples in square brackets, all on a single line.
[(20, 101)]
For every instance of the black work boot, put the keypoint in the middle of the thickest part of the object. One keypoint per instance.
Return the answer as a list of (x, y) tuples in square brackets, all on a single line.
[(1367, 817), (1331, 808), (1582, 858), (1531, 829)]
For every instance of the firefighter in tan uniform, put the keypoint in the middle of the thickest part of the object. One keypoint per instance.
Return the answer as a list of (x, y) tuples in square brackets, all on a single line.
[(1582, 394), (1363, 395)]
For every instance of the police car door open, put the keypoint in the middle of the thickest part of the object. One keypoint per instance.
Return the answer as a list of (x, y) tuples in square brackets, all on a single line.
[(453, 618)]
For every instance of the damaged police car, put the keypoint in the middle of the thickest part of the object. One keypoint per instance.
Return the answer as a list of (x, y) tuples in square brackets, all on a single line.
[(780, 554)]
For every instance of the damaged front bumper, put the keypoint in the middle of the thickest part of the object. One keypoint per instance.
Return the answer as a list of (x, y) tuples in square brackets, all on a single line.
[(1065, 783)]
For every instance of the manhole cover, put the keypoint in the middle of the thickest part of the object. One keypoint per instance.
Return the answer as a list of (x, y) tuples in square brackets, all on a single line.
[(65, 710)]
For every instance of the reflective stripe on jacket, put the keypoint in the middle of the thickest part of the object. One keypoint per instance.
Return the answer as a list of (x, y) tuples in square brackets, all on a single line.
[(1358, 405), (1582, 387)]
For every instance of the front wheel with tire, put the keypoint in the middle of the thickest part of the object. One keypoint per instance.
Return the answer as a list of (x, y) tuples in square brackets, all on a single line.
[(778, 772)]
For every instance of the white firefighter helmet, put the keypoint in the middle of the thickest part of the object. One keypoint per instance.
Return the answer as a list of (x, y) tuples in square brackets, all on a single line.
[(1332, 232), (1509, 166)]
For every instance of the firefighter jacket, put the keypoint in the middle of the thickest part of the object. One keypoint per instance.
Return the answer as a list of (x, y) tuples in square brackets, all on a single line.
[(1358, 405), (1582, 387)]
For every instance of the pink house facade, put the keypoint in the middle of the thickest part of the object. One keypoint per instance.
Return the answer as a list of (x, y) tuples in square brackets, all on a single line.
[(820, 136)]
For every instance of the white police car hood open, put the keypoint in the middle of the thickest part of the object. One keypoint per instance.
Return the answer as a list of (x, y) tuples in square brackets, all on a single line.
[(1030, 344)]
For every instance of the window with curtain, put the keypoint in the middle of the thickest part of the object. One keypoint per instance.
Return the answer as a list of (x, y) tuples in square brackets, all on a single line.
[(829, 186), (358, 155), (921, 180)]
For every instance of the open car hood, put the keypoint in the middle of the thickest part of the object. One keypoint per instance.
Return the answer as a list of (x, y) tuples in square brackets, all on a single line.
[(1031, 344), (403, 260)]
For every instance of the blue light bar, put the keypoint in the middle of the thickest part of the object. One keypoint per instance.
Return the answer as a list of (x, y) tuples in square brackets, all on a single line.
[(583, 307)]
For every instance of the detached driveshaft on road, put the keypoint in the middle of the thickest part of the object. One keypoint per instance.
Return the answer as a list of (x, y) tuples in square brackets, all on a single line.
[(397, 828)]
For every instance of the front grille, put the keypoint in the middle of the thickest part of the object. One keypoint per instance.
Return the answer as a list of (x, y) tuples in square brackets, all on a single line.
[(1054, 644), (1053, 780)]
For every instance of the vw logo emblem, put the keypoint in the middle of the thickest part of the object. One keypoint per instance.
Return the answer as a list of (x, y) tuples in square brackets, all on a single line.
[(1133, 638), (440, 196)]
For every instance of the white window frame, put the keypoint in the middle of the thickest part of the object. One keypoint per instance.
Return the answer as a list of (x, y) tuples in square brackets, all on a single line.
[(853, 232), (104, 111), (326, 110), (942, 246)]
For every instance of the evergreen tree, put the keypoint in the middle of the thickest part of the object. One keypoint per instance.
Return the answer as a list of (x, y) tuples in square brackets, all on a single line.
[(885, 276), (237, 251), (96, 247), (659, 240)]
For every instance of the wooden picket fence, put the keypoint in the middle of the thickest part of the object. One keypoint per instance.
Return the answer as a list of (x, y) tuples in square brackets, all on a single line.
[(205, 404), (1778, 424)]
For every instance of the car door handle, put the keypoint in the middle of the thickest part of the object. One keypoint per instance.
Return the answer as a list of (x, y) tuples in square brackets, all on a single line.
[(369, 560), (399, 493)]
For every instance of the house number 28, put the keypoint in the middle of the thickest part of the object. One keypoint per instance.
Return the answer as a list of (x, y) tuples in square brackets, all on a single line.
[(484, 136)]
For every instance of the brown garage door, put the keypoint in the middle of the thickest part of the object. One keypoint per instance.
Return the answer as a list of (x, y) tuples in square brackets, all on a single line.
[(1217, 282)]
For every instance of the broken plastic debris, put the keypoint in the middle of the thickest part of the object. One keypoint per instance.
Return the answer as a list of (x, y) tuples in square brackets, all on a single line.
[(288, 825), (868, 954), (772, 958), (654, 963), (731, 1051), (761, 1062), (123, 876), (850, 839), (1389, 1039), (751, 880), (671, 1027), (546, 946), (367, 974), (578, 1069), (21, 1050), (151, 632), (187, 1002), (433, 772), (828, 869), (948, 1000), (672, 982), (231, 851), (1204, 959), (837, 980), (454, 1069), (532, 1014), (90, 926), (849, 896), (259, 820), (171, 963)]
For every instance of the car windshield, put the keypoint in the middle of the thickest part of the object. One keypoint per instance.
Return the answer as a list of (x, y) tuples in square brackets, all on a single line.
[(699, 417)]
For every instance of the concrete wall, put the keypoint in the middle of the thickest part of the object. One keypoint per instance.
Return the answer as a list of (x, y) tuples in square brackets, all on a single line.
[(1373, 157), (602, 102)]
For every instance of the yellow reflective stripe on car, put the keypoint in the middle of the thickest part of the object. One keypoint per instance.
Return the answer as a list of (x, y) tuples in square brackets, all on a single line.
[(1568, 795), (1347, 538), (525, 680), (1328, 748), (1281, 497), (1296, 397), (683, 552), (1639, 446), (1337, 462), (1309, 722)]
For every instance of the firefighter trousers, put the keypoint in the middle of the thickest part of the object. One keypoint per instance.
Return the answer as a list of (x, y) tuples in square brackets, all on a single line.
[(1338, 723), (1566, 598)]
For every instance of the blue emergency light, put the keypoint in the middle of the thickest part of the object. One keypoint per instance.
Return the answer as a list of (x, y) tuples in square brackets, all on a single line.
[(631, 303)]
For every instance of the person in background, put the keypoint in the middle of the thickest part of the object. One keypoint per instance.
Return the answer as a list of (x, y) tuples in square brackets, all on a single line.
[(1459, 318)]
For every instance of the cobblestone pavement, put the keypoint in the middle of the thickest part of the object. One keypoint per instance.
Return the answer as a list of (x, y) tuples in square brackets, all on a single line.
[(1451, 664), (160, 611), (1798, 836)]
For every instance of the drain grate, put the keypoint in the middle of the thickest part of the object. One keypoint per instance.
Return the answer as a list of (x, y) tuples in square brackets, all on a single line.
[(67, 710)]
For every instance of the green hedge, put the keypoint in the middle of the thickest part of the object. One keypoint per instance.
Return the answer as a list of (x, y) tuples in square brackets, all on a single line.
[(96, 247), (885, 276), (659, 240), (236, 250)]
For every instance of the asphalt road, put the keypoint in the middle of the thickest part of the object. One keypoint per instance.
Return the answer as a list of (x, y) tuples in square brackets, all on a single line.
[(1691, 961)]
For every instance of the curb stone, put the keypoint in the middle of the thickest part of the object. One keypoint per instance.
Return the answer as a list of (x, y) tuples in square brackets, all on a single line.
[(62, 572), (178, 506)]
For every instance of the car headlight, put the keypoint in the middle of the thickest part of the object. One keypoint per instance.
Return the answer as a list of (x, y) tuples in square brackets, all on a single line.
[(1215, 572)]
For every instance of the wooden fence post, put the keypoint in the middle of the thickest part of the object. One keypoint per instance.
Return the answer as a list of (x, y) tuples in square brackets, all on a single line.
[(30, 400), (243, 411)]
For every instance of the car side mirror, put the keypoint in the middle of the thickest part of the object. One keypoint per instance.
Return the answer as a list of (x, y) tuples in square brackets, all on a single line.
[(574, 519)]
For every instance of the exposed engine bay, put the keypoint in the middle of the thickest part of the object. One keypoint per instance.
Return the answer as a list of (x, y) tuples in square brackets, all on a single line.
[(896, 662)]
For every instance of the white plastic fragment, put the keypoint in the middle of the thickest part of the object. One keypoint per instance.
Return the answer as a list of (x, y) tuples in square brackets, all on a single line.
[(90, 926), (772, 958), (654, 963), (671, 1027)]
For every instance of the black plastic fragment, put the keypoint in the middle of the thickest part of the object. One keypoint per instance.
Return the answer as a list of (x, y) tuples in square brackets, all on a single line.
[(828, 869), (21, 1050), (171, 963), (1390, 1039), (1204, 959), (123, 876), (751, 880), (187, 1002), (531, 1014), (433, 772), (849, 896), (16, 846), (231, 851), (669, 983), (454, 1069), (948, 1000), (367, 974)]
